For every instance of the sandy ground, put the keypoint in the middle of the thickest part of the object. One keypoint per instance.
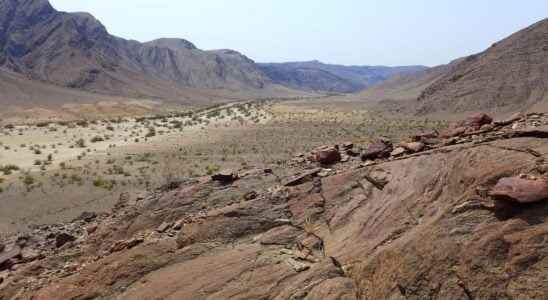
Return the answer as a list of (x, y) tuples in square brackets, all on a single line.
[(64, 186), (236, 136)]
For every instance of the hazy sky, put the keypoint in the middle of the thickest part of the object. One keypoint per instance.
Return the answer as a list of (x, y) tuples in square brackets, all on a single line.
[(363, 32)]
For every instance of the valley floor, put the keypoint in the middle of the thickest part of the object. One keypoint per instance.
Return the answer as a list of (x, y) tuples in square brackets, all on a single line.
[(52, 172)]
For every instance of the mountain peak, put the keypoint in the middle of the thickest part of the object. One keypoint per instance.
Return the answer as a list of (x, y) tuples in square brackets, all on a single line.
[(30, 7), (172, 43)]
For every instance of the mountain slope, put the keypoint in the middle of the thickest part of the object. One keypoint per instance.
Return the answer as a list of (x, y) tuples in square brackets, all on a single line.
[(75, 50), (510, 75), (404, 86), (317, 76)]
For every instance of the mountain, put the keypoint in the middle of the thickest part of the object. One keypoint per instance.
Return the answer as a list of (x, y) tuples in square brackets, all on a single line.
[(317, 76), (74, 50), (404, 86), (509, 75)]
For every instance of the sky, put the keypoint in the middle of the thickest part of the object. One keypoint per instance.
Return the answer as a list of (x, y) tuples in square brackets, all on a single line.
[(350, 32)]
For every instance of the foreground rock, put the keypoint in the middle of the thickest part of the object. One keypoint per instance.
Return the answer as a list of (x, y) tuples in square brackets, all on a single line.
[(63, 238), (328, 155), (225, 177), (478, 120), (521, 190), (379, 149)]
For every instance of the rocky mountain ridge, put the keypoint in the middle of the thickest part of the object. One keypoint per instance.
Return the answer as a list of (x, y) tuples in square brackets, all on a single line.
[(75, 50), (317, 76)]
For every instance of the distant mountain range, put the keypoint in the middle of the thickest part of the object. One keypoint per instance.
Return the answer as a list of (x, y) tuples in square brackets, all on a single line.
[(317, 76), (47, 57), (40, 45), (75, 50), (510, 75)]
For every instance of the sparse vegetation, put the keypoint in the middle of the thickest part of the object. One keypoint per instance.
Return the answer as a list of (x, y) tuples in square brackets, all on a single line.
[(8, 169)]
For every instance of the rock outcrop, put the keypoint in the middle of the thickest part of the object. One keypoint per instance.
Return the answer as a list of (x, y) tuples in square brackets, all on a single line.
[(422, 225)]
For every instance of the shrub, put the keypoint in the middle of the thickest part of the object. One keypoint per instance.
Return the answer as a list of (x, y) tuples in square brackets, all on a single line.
[(80, 143), (97, 139), (210, 169), (28, 180), (8, 169), (151, 132), (102, 183)]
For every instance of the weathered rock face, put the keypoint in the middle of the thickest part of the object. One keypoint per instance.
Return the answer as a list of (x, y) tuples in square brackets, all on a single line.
[(420, 226)]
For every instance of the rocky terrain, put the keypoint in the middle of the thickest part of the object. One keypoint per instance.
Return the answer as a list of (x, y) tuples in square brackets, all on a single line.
[(317, 76), (455, 214)]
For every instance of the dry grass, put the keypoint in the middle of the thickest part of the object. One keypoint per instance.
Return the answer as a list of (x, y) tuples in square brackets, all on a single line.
[(87, 164)]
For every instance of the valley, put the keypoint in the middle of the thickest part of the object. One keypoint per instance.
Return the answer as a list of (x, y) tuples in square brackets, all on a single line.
[(57, 161), (155, 169)]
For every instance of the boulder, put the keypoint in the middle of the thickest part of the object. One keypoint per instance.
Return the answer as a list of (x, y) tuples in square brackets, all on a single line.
[(487, 127), (163, 227), (348, 146), (225, 177), (62, 238), (478, 120), (22, 241), (425, 135), (379, 149), (29, 255), (250, 195), (86, 217), (91, 229), (178, 225), (398, 151), (2, 247), (352, 152), (7, 257), (521, 190), (414, 147), (327, 155), (453, 132)]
